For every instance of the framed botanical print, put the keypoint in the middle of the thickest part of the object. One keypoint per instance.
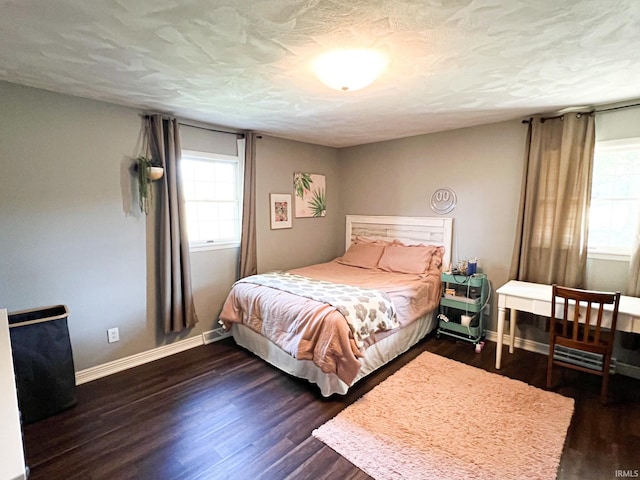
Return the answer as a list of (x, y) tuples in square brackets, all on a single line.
[(310, 190), (280, 210)]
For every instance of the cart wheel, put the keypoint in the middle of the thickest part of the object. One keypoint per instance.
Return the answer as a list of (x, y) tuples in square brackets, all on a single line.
[(437, 335), (479, 347)]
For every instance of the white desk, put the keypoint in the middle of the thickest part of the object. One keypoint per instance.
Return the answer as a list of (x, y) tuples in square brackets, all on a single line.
[(536, 298)]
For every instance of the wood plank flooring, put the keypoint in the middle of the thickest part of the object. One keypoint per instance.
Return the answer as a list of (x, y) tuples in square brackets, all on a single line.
[(219, 412)]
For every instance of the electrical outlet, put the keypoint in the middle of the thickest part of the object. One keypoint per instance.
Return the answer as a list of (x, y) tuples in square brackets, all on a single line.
[(113, 335)]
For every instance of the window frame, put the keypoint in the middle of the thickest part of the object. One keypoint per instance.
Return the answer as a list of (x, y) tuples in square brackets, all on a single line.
[(632, 143), (201, 246)]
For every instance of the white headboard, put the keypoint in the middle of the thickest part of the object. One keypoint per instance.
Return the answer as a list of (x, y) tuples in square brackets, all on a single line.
[(409, 230)]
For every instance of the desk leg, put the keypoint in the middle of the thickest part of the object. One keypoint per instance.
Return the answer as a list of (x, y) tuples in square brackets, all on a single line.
[(501, 314), (512, 329)]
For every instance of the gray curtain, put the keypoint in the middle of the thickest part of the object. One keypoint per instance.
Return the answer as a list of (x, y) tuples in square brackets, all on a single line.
[(248, 254), (551, 240), (633, 285), (174, 293)]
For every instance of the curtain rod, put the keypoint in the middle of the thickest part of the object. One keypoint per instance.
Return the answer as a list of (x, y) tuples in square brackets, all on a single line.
[(543, 119), (240, 135), (619, 108), (633, 105)]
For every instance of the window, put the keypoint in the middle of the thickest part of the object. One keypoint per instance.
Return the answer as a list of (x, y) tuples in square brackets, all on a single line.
[(615, 197), (213, 194)]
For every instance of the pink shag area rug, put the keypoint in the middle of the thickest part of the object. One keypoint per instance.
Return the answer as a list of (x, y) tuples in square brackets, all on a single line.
[(436, 418)]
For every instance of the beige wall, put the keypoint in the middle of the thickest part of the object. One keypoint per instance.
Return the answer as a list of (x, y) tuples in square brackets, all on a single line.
[(72, 234), (310, 240), (483, 165), (69, 232)]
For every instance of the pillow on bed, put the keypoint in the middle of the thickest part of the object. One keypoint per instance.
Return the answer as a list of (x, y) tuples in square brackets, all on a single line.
[(365, 255), (409, 259)]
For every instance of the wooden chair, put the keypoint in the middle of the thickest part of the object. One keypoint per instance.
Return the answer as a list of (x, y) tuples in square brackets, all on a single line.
[(578, 326)]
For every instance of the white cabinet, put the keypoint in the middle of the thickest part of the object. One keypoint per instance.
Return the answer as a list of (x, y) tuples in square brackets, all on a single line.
[(12, 465)]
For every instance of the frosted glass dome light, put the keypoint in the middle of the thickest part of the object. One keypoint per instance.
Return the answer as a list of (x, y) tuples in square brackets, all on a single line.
[(350, 70)]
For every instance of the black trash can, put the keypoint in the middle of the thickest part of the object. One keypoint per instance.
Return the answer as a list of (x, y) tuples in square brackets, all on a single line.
[(43, 362)]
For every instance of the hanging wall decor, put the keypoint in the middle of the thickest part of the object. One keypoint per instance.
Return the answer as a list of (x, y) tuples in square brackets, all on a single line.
[(443, 200), (280, 210), (145, 189), (146, 170), (310, 193)]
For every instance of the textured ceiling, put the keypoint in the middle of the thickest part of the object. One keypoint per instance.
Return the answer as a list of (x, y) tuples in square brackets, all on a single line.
[(247, 64)]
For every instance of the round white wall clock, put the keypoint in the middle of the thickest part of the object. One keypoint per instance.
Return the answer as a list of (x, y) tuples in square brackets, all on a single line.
[(443, 200)]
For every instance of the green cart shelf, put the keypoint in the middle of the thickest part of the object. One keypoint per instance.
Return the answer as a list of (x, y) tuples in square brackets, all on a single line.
[(462, 305)]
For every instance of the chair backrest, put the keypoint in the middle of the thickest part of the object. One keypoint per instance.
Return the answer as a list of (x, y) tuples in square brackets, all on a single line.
[(588, 310)]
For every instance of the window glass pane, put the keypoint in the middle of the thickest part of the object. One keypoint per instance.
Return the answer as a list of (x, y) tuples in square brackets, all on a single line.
[(224, 191), (615, 198), (225, 171), (208, 231), (203, 191), (188, 189), (213, 199), (207, 212), (228, 211), (204, 170), (186, 169)]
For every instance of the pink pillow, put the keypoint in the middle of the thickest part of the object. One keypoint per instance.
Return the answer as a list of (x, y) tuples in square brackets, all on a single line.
[(365, 255), (409, 259)]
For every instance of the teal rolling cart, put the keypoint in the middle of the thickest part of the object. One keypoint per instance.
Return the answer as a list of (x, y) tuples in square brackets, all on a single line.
[(462, 305)]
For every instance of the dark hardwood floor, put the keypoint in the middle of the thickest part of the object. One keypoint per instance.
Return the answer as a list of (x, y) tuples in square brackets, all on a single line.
[(218, 412)]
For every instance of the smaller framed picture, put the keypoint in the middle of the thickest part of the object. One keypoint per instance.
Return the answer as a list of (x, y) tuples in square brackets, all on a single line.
[(280, 210)]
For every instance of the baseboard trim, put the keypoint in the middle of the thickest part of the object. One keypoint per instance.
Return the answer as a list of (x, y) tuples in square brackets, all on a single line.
[(106, 369), (523, 343), (543, 348), (628, 370), (109, 368)]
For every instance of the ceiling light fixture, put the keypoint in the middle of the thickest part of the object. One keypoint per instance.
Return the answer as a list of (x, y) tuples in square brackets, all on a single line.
[(350, 70)]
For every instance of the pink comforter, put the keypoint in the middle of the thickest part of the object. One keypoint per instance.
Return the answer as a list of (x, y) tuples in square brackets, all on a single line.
[(310, 330)]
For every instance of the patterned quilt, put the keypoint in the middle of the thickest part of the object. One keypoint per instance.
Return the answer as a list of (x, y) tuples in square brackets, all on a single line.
[(367, 311)]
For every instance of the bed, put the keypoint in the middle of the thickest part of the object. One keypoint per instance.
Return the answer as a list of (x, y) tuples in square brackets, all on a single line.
[(387, 283)]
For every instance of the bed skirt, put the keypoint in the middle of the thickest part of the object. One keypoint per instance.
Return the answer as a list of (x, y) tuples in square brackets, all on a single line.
[(375, 356)]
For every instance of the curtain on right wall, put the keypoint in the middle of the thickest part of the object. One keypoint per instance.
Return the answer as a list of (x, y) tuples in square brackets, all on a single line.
[(633, 287), (551, 241)]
